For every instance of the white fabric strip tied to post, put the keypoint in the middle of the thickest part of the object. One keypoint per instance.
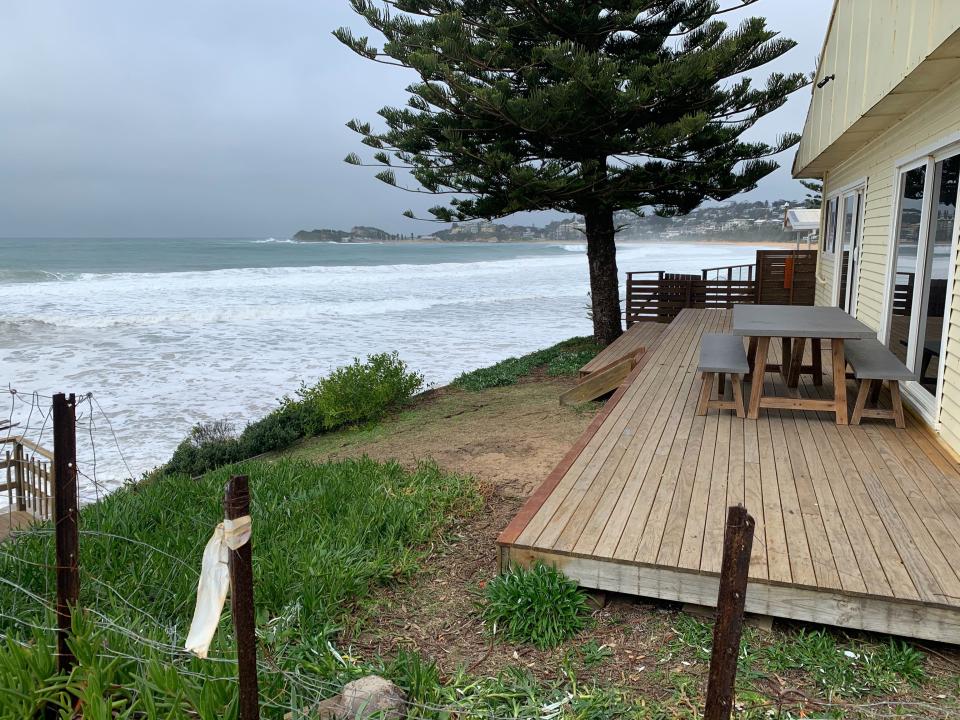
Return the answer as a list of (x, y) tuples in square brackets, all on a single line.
[(215, 582)]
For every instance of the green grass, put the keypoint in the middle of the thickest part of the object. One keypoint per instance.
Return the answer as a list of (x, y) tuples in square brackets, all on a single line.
[(564, 358), (838, 667), (325, 537), (539, 606)]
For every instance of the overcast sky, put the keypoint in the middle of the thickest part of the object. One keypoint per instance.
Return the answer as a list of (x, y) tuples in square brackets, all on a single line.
[(225, 117)]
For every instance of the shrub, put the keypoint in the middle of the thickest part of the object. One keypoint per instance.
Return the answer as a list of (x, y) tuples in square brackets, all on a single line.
[(358, 393), (278, 430), (208, 446), (540, 606), (564, 358)]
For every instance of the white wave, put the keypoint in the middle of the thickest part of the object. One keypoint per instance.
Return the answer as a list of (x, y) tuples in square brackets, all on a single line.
[(275, 240), (573, 248), (163, 348)]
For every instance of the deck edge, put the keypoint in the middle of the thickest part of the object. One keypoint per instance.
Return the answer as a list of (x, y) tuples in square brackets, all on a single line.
[(532, 504), (891, 616)]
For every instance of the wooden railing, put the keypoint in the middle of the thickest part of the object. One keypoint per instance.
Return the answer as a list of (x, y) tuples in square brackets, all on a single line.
[(778, 277), (661, 300), (730, 272), (27, 476)]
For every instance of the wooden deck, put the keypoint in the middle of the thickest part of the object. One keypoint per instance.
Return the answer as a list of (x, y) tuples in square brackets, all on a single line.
[(637, 338), (857, 526)]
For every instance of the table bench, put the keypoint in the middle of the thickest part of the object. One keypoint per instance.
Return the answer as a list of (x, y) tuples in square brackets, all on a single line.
[(762, 323), (722, 355), (872, 363)]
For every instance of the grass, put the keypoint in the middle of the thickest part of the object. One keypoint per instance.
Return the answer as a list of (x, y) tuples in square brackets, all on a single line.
[(325, 537), (840, 669), (564, 358), (538, 606)]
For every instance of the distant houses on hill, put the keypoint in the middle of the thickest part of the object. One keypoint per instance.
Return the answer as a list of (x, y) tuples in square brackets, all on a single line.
[(760, 220)]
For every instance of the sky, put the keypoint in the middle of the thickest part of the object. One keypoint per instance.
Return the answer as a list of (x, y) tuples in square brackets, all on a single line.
[(225, 118)]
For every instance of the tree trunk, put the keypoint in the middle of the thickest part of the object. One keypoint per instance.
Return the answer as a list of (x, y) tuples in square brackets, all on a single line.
[(604, 281)]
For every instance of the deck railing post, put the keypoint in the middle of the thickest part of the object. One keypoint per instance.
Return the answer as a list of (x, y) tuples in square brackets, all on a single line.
[(65, 522), (18, 475), (731, 600)]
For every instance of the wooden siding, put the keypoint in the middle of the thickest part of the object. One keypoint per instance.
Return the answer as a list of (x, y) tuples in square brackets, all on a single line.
[(936, 121), (887, 57), (857, 526)]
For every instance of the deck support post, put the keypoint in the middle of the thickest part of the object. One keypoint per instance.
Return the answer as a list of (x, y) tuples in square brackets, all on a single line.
[(731, 600)]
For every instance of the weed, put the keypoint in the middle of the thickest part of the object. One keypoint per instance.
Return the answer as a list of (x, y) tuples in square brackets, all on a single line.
[(540, 606), (593, 653), (853, 669)]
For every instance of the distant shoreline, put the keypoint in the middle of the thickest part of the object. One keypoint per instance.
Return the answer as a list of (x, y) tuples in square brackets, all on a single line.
[(579, 241)]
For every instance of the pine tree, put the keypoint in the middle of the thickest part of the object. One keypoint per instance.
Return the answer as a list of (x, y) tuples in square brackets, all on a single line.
[(814, 196), (576, 106)]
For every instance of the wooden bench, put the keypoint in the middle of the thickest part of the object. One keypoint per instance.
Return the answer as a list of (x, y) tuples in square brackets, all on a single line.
[(722, 355), (873, 363)]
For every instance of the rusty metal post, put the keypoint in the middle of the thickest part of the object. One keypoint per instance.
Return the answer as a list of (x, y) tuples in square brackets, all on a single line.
[(236, 504), (737, 545), (65, 522)]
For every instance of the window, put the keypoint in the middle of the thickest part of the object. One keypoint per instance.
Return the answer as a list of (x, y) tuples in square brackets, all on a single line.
[(849, 257), (830, 232), (908, 244)]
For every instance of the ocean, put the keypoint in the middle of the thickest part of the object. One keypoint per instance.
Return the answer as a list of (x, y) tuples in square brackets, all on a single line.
[(169, 332)]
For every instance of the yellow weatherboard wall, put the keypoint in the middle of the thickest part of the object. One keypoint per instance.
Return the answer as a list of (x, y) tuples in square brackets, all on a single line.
[(895, 96), (873, 52)]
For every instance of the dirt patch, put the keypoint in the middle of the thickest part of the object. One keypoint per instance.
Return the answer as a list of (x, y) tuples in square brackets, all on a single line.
[(508, 438)]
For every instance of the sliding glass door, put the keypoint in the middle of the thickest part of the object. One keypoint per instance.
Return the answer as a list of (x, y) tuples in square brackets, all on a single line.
[(848, 257), (924, 242)]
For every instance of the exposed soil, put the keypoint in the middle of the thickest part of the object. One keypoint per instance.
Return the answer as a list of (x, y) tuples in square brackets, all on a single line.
[(508, 438)]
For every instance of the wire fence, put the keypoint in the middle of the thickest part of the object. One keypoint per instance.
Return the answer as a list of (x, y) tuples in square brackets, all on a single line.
[(140, 631)]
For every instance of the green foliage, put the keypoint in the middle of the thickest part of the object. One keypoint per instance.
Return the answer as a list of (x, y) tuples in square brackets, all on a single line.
[(354, 394), (814, 196), (848, 669), (574, 106), (564, 358), (358, 393), (580, 107), (540, 606), (324, 538)]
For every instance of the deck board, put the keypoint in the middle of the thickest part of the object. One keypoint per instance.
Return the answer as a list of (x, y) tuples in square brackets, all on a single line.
[(857, 526), (636, 338)]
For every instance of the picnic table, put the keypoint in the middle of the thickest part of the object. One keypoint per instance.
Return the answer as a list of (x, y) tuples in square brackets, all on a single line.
[(795, 324)]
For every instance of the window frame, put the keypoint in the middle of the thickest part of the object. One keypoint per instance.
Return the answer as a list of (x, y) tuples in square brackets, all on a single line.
[(928, 406)]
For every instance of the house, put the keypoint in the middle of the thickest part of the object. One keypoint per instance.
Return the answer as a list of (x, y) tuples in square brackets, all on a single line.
[(883, 133), (803, 223)]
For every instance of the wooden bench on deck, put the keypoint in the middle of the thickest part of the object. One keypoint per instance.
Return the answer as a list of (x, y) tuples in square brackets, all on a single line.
[(722, 355), (873, 363)]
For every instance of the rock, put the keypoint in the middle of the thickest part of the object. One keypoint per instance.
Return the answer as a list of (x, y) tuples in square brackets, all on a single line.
[(372, 696), (369, 697)]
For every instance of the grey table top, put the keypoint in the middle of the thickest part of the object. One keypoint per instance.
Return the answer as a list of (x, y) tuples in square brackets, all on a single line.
[(797, 321)]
